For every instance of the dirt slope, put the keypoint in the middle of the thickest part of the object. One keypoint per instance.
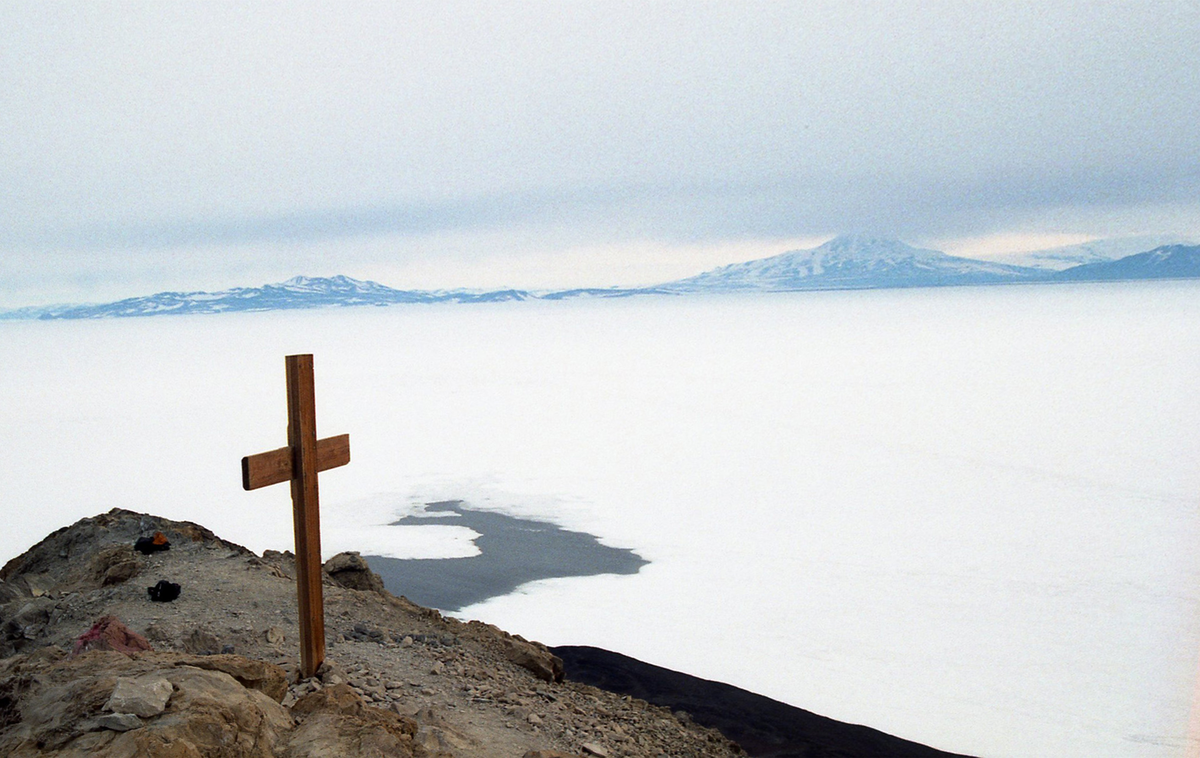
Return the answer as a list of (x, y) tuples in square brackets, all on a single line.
[(401, 679)]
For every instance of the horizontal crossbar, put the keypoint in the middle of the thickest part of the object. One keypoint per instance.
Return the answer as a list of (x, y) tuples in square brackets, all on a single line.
[(275, 466)]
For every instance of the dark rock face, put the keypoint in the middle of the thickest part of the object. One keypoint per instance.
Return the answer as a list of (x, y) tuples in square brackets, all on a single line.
[(8, 592), (763, 727), (22, 621)]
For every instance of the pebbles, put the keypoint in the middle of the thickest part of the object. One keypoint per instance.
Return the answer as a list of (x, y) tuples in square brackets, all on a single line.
[(362, 631)]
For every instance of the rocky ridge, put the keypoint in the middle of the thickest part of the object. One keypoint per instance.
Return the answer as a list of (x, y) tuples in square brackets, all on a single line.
[(221, 678)]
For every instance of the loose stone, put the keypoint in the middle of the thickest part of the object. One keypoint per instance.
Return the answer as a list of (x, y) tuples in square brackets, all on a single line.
[(119, 722)]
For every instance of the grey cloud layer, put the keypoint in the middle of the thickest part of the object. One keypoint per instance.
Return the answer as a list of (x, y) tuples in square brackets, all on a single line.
[(157, 121)]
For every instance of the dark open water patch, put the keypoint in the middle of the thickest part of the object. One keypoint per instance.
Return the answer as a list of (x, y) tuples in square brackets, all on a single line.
[(513, 551)]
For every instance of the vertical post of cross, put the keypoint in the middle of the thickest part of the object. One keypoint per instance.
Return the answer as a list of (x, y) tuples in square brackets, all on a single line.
[(299, 463), (302, 439)]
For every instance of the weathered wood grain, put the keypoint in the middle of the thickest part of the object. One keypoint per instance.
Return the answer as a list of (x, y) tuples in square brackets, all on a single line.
[(275, 466), (299, 463)]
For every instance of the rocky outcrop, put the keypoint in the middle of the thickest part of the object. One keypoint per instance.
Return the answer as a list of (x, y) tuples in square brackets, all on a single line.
[(74, 554), (335, 722), (350, 570), (535, 658), (144, 696), (113, 565), (267, 678), (110, 634), (399, 679), (23, 620), (105, 704)]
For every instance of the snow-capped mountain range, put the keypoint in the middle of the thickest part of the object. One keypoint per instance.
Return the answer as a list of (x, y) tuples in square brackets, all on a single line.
[(1096, 251), (846, 262), (297, 292), (1166, 262), (853, 262)]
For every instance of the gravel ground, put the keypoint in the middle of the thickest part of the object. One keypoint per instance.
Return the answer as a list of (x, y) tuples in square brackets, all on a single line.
[(473, 689)]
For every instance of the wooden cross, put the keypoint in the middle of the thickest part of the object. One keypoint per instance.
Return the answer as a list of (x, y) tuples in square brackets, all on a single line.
[(299, 462)]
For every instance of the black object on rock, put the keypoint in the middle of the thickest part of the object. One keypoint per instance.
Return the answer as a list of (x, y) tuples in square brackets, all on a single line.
[(148, 545), (164, 591)]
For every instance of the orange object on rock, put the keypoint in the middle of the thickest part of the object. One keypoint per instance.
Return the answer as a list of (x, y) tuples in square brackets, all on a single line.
[(155, 544)]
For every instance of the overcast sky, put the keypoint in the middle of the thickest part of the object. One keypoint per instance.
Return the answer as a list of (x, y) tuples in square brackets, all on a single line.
[(170, 145)]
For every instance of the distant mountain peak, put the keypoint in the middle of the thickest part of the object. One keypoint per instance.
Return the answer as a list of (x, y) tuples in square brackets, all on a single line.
[(869, 246), (338, 282), (851, 261), (1093, 251), (1166, 262)]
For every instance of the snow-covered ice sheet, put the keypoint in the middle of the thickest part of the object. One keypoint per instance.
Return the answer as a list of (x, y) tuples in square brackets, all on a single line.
[(964, 516)]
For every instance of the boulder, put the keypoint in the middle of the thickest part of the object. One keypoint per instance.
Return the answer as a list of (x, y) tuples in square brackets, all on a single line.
[(351, 570), (440, 740), (218, 716), (54, 706), (114, 565), (9, 591), (144, 697), (535, 658), (38, 584), (267, 678), (202, 642), (26, 624), (109, 633), (119, 722), (335, 722)]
